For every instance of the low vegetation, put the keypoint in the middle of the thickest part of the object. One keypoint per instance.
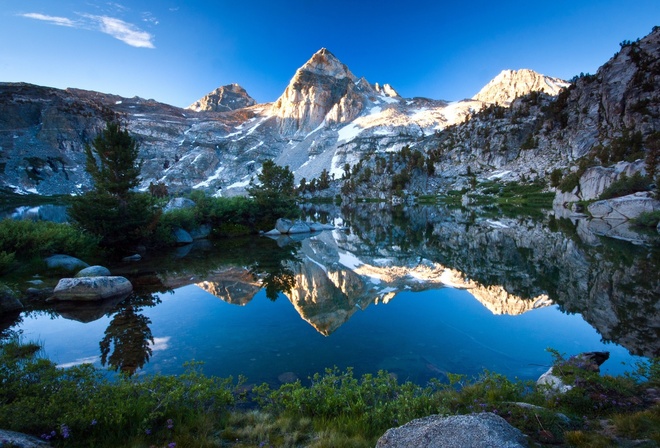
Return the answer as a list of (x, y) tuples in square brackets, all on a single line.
[(28, 240), (626, 185), (84, 406)]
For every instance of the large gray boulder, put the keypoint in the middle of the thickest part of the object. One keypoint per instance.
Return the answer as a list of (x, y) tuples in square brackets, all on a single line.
[(178, 203), (485, 430), (65, 262), (91, 288), (286, 226)]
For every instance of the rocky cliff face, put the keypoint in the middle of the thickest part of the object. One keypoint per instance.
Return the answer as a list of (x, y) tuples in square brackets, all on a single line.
[(322, 90), (224, 99)]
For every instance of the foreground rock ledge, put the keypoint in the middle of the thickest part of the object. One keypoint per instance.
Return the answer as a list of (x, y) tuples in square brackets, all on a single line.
[(485, 430), (91, 288)]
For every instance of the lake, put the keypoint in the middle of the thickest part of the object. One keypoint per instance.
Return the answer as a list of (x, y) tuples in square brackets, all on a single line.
[(418, 291)]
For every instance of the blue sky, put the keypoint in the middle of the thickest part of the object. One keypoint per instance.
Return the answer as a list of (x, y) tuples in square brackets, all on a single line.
[(176, 52)]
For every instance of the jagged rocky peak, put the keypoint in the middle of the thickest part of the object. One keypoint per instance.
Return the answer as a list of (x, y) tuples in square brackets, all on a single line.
[(224, 99), (386, 90), (511, 84), (325, 63), (323, 89)]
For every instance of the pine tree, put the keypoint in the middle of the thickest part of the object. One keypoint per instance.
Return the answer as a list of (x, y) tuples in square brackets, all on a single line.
[(112, 210)]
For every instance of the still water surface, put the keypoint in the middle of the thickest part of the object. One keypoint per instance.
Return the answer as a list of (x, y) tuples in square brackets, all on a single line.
[(370, 297)]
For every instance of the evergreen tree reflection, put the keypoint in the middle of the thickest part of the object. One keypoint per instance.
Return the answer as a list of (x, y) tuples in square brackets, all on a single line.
[(126, 346), (273, 267)]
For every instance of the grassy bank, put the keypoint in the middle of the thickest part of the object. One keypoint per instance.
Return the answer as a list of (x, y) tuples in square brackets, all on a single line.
[(84, 406)]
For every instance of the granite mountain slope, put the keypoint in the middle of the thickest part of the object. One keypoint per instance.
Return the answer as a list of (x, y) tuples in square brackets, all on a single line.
[(328, 118)]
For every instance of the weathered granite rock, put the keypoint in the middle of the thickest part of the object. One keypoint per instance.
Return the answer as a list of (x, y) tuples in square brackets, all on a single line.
[(178, 203), (624, 208), (283, 225), (485, 430), (91, 288), (318, 227), (181, 236), (94, 271), (20, 440), (9, 299), (299, 227), (65, 262), (286, 226)]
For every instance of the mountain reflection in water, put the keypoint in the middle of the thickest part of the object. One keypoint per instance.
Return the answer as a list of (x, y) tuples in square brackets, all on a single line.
[(510, 265)]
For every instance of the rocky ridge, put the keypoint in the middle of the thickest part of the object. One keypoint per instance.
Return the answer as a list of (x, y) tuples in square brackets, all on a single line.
[(511, 84), (224, 99), (326, 118)]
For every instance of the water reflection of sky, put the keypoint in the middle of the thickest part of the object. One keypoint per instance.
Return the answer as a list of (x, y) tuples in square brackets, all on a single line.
[(416, 336)]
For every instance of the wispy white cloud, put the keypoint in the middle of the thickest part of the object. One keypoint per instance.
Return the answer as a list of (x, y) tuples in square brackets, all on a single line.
[(117, 28), (124, 31), (148, 17), (62, 21)]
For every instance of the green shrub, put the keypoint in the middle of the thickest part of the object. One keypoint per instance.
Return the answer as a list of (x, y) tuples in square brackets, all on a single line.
[(6, 260), (28, 239), (648, 219), (555, 177), (569, 182), (626, 185), (80, 406), (117, 222)]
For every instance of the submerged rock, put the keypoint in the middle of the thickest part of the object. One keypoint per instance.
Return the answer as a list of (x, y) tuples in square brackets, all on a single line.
[(483, 430)]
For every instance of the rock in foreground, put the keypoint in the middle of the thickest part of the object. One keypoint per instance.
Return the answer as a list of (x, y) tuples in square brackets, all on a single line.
[(91, 288), (483, 430)]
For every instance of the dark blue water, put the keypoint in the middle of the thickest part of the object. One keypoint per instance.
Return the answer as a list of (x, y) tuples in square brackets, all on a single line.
[(416, 336)]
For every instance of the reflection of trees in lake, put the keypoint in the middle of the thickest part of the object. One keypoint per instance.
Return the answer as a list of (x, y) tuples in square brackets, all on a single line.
[(272, 267), (129, 336)]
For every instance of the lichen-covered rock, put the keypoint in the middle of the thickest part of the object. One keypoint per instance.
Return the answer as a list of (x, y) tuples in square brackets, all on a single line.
[(91, 288), (485, 430)]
